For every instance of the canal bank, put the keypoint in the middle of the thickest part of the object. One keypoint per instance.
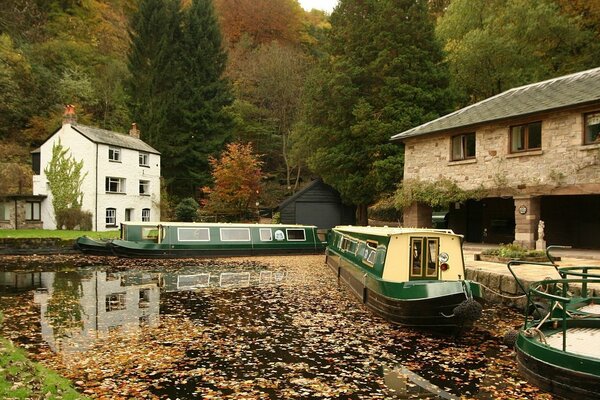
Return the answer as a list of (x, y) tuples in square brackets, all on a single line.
[(501, 287)]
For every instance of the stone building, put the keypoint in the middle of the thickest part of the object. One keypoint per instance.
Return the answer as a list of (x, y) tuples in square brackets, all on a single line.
[(534, 151)]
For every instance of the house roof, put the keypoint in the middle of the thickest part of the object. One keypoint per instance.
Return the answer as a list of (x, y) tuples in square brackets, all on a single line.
[(570, 90), (104, 136)]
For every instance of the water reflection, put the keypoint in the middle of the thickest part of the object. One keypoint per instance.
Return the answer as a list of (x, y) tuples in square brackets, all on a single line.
[(79, 306), (408, 385)]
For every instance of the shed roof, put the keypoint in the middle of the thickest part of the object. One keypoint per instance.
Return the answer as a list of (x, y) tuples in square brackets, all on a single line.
[(104, 136), (303, 191), (570, 90)]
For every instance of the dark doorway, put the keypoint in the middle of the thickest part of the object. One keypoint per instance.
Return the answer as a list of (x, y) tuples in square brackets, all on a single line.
[(474, 216), (571, 220)]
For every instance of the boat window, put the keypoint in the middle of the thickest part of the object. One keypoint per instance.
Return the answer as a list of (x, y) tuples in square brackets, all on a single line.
[(193, 234), (432, 257), (416, 247), (150, 233), (266, 235), (235, 234), (370, 251), (295, 234), (349, 245)]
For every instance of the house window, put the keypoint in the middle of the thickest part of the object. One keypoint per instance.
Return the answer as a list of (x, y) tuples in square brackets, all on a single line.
[(145, 215), (115, 301), (111, 216), (144, 301), (114, 154), (32, 211), (4, 212), (592, 128), (526, 137), (144, 188), (144, 159), (115, 185), (463, 146)]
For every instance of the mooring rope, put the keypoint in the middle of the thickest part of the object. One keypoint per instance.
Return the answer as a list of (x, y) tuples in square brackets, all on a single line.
[(501, 294)]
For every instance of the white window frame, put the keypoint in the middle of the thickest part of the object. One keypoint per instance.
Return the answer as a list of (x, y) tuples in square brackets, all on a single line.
[(115, 302), (144, 187), (287, 234), (145, 215), (111, 216), (114, 154), (179, 230), (33, 211), (112, 179), (144, 159), (247, 230)]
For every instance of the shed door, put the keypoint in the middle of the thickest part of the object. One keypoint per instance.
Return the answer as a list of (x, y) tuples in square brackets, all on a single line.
[(323, 215)]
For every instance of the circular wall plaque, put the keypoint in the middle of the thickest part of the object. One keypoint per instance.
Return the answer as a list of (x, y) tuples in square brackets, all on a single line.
[(522, 209)]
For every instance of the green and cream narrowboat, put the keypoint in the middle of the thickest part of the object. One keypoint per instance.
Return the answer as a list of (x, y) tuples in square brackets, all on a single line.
[(413, 277), (558, 346), (181, 239)]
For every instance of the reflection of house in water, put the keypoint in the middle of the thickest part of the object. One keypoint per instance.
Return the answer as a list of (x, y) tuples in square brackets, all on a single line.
[(77, 307)]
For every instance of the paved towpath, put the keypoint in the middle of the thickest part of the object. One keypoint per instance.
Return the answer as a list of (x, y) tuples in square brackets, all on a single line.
[(499, 282)]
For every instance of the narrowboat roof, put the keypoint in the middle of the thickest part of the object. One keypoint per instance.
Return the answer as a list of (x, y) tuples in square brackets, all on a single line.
[(215, 224), (391, 231)]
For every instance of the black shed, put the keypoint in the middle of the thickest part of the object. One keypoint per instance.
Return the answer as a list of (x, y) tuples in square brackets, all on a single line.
[(317, 204)]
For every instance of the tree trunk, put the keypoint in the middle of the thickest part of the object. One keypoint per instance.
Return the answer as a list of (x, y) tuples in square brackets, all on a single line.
[(362, 216)]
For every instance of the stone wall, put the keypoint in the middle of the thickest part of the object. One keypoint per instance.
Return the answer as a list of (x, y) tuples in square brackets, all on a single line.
[(563, 163)]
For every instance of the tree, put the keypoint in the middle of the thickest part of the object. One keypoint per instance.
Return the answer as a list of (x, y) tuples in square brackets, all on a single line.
[(494, 45), (384, 74), (64, 179), (187, 210), (237, 175)]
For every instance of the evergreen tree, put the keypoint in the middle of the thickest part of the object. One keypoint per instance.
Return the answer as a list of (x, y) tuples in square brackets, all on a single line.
[(153, 31), (384, 75), (199, 125)]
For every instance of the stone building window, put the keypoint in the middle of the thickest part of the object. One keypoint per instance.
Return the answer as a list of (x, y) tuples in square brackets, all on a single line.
[(592, 128), (4, 211), (32, 211), (526, 137), (463, 146)]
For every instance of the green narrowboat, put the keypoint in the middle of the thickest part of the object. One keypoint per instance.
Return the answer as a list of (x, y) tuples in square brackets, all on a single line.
[(186, 239), (413, 277), (558, 346)]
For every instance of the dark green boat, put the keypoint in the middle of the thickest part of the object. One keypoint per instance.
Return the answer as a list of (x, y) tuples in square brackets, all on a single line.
[(181, 239), (412, 277), (558, 346)]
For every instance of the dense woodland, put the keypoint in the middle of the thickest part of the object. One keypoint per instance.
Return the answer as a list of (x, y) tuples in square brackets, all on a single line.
[(315, 94)]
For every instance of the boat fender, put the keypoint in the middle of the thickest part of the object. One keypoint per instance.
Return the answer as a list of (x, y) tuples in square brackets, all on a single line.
[(468, 310), (510, 337)]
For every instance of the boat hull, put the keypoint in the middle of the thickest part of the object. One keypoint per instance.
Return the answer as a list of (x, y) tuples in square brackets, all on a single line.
[(564, 374), (93, 247), (422, 304), (150, 250)]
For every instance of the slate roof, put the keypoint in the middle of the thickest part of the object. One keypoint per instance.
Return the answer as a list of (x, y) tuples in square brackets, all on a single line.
[(103, 136), (570, 90)]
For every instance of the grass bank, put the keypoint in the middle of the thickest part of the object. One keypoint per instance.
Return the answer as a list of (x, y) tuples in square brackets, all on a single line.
[(21, 378), (62, 234)]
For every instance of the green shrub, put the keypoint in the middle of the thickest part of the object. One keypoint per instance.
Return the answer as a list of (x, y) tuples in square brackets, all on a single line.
[(187, 210), (72, 218), (513, 250)]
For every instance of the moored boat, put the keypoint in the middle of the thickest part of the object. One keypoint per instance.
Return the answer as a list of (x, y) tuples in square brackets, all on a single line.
[(99, 247), (413, 277), (559, 350), (186, 239)]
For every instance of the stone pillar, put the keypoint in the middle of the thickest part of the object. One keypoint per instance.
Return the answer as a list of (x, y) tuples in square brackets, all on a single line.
[(418, 215), (527, 216)]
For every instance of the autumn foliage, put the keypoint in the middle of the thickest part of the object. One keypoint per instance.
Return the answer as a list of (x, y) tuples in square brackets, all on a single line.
[(237, 178)]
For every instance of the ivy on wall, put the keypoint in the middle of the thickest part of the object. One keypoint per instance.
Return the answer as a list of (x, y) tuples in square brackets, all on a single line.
[(438, 195)]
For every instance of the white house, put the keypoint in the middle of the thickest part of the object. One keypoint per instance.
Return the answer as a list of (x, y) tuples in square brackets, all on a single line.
[(122, 174)]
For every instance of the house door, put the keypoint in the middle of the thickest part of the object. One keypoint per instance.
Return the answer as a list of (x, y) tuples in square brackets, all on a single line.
[(128, 214)]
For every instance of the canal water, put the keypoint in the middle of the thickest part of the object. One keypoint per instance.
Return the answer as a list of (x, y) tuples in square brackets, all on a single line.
[(256, 328)]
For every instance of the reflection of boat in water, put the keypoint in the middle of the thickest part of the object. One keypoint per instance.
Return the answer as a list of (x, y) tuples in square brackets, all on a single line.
[(181, 239), (413, 277), (558, 346)]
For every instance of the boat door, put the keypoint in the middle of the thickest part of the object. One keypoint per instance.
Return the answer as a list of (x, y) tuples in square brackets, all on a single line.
[(424, 253)]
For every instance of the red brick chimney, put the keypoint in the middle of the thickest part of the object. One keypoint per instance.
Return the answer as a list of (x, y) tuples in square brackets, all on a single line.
[(70, 117), (134, 131)]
